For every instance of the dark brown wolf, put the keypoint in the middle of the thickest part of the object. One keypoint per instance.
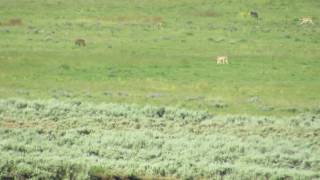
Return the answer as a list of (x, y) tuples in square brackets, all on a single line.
[(80, 42)]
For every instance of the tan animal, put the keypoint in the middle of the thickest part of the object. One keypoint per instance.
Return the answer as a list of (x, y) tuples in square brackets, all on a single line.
[(80, 42), (222, 60), (159, 25), (306, 20)]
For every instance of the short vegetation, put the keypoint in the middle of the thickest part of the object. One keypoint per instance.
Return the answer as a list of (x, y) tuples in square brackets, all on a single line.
[(164, 53), (55, 139)]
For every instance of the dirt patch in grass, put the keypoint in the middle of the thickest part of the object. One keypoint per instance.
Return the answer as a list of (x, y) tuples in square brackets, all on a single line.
[(131, 177), (12, 22), (207, 14), (138, 19), (12, 124)]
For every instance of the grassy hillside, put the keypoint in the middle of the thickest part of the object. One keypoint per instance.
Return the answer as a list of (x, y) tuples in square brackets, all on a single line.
[(145, 98), (129, 58)]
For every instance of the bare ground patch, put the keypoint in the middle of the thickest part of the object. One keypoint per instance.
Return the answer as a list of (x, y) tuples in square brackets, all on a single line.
[(13, 124), (12, 22)]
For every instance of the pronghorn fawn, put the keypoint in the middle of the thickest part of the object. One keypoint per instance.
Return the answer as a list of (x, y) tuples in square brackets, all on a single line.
[(306, 20), (222, 60)]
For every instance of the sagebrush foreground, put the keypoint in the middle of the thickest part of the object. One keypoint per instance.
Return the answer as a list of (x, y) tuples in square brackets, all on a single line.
[(72, 139)]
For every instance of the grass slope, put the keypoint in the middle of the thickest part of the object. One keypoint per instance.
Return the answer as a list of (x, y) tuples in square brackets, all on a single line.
[(130, 59)]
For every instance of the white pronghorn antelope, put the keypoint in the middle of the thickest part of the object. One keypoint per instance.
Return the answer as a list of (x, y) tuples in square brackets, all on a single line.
[(222, 60), (306, 20)]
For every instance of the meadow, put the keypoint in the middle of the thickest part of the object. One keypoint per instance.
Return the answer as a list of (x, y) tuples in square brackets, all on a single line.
[(145, 96)]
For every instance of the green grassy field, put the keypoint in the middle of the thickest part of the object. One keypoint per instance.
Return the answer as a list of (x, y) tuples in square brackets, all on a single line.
[(130, 60)]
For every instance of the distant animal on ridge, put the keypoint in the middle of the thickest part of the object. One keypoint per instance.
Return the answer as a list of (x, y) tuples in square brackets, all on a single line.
[(306, 20), (254, 14), (222, 60), (80, 42)]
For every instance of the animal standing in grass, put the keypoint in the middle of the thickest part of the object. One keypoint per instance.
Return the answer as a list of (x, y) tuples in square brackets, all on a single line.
[(254, 14), (159, 25), (222, 60), (306, 20), (80, 42)]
